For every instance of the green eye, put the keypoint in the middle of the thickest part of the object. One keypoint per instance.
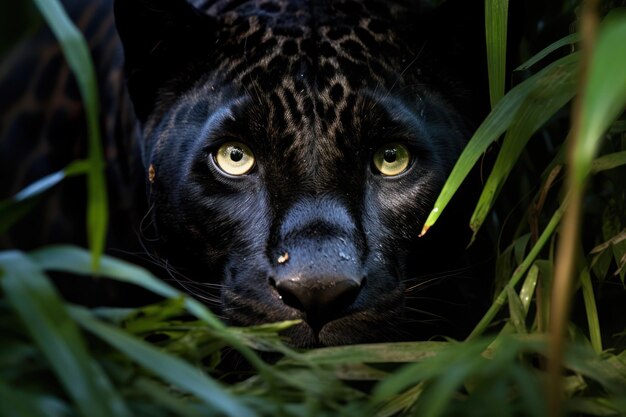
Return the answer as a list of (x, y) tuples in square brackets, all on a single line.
[(234, 158), (392, 159)]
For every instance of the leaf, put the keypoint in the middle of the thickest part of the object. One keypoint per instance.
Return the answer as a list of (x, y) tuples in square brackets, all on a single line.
[(77, 54), (14, 403), (519, 272), (519, 247), (496, 16), (600, 264), (528, 289), (621, 267), (375, 353), (604, 93), (164, 398), (167, 367), (12, 209), (35, 300), (620, 237), (445, 361), (548, 95), (492, 127), (76, 260), (581, 359), (516, 310), (400, 403), (546, 272), (607, 162), (615, 245), (568, 40), (591, 310), (595, 406)]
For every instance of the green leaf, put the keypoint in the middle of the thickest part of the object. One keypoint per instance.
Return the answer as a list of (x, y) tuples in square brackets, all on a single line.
[(496, 16), (14, 403), (595, 406), (12, 209), (600, 264), (519, 273), (519, 247), (78, 57), (548, 95), (35, 300), (164, 398), (167, 367), (591, 310), (568, 40), (492, 127), (76, 260), (604, 93), (528, 289), (607, 162), (400, 403), (583, 360), (444, 361), (375, 353), (516, 311)]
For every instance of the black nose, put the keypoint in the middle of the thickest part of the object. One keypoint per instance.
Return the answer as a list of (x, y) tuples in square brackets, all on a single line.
[(317, 260), (321, 298)]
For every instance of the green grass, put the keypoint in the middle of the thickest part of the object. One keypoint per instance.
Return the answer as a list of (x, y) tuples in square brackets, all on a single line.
[(58, 359)]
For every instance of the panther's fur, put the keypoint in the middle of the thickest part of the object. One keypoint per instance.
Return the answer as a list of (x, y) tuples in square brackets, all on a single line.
[(314, 88)]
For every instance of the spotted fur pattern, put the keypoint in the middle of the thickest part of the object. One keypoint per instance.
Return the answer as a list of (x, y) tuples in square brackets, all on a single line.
[(313, 88)]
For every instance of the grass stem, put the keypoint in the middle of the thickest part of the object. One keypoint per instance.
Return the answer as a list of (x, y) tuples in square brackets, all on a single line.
[(570, 228)]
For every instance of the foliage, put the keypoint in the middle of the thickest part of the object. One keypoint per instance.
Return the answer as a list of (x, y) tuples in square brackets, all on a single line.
[(172, 358)]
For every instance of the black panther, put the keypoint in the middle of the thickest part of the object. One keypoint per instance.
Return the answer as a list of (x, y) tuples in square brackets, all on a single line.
[(290, 150)]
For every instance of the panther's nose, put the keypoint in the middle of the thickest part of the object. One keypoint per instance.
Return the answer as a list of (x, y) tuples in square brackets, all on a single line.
[(317, 260), (319, 298)]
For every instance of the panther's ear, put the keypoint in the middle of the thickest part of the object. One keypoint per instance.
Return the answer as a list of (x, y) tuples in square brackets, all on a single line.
[(161, 38)]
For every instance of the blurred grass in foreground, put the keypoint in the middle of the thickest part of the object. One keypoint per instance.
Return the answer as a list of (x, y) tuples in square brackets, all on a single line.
[(58, 359)]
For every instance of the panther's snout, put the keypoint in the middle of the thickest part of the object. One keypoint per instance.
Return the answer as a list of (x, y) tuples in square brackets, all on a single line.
[(319, 271), (320, 298)]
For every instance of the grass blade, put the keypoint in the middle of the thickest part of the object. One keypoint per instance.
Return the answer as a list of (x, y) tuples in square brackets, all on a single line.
[(163, 397), (548, 95), (494, 125), (76, 260), (34, 298), (602, 99), (441, 374), (496, 15), (375, 353), (610, 161), (167, 367), (568, 40), (14, 403), (519, 273), (592, 311), (604, 95), (12, 209), (77, 55)]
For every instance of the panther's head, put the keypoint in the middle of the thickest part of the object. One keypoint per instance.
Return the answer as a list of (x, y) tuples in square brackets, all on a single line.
[(293, 150)]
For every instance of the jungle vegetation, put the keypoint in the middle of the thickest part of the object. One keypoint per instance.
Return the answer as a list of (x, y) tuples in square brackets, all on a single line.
[(554, 198)]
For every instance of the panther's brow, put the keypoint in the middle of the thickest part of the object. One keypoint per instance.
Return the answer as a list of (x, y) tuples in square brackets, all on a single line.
[(218, 119)]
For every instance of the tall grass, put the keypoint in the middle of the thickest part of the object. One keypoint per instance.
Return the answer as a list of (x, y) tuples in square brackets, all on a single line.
[(58, 359)]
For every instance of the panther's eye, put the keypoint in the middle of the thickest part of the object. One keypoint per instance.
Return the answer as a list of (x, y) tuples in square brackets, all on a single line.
[(234, 158), (392, 159)]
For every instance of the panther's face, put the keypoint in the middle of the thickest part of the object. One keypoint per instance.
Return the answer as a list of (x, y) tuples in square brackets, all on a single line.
[(293, 150)]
